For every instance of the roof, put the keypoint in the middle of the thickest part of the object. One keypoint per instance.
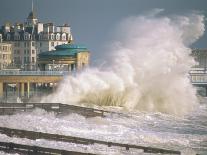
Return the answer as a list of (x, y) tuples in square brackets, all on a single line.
[(70, 46), (32, 15), (64, 50)]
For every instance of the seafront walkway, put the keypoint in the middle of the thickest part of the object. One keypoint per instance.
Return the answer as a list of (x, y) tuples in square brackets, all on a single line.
[(22, 81), (198, 76)]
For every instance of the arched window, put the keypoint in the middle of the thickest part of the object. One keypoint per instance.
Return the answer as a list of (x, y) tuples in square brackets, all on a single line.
[(52, 36), (63, 36), (58, 36)]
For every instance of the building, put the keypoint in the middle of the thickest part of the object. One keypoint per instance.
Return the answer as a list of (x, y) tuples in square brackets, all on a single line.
[(33, 37), (5, 54), (67, 57), (200, 56)]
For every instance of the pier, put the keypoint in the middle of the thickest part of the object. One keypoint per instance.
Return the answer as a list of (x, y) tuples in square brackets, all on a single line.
[(23, 82), (198, 78)]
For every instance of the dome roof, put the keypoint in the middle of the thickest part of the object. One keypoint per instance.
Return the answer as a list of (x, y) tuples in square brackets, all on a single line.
[(64, 50), (70, 46)]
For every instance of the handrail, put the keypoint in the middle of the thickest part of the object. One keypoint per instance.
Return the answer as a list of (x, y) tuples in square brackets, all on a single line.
[(31, 149), (58, 108), (78, 140), (43, 73)]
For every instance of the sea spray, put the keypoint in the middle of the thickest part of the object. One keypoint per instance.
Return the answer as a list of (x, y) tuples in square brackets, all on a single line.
[(147, 70)]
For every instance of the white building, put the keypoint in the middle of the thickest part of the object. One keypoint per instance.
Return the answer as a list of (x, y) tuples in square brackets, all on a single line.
[(5, 54), (32, 37)]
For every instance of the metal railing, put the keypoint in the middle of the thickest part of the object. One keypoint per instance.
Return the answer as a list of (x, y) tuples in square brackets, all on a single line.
[(78, 140), (198, 79), (58, 108), (34, 73), (198, 76), (36, 150)]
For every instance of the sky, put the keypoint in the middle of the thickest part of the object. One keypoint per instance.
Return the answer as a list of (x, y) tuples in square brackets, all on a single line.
[(94, 21)]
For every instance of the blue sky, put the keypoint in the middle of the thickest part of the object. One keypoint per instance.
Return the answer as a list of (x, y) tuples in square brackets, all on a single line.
[(93, 21)]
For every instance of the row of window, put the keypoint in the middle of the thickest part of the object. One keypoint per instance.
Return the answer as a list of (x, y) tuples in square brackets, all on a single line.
[(41, 37), (53, 37), (28, 44), (26, 60), (17, 37), (5, 56), (25, 51), (5, 48)]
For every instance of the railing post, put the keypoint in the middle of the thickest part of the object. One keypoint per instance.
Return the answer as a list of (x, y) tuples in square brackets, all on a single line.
[(1, 90), (28, 89), (22, 89)]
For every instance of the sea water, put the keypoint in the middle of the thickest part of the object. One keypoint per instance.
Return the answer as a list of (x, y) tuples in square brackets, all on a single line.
[(146, 68), (187, 134), (146, 79)]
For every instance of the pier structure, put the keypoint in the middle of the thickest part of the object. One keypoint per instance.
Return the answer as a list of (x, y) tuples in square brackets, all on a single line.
[(66, 59), (23, 81), (198, 78)]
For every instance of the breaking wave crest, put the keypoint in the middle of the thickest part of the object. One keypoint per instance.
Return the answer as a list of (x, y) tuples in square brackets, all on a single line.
[(147, 70)]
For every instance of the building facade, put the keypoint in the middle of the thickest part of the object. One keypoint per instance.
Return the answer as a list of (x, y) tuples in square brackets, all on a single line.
[(33, 37), (200, 56), (5, 54), (67, 57)]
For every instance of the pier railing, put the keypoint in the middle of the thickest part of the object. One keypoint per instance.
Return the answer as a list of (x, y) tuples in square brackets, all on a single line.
[(78, 140), (34, 73), (58, 108), (198, 76), (36, 150)]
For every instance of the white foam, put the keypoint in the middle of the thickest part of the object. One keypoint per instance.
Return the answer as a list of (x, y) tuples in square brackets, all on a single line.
[(147, 69)]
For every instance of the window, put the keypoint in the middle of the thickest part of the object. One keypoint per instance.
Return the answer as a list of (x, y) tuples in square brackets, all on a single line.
[(33, 59), (40, 44), (52, 37), (25, 44), (33, 51), (63, 36), (52, 44), (25, 37), (58, 36), (33, 44), (25, 51), (40, 37), (16, 37), (25, 59), (8, 36)]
